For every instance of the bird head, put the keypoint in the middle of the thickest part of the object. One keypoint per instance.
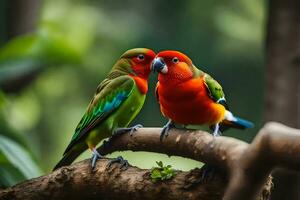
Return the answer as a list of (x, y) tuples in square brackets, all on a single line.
[(172, 65), (136, 62)]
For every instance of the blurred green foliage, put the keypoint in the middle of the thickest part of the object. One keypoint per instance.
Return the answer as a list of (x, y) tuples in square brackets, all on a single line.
[(16, 163), (77, 42)]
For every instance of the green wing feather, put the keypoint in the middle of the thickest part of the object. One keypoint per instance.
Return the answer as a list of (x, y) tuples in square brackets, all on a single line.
[(110, 94), (215, 90)]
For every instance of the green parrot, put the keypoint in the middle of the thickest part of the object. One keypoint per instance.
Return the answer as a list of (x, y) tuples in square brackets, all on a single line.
[(118, 99)]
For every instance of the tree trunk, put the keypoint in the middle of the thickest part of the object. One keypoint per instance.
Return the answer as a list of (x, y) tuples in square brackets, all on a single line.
[(21, 17), (283, 81)]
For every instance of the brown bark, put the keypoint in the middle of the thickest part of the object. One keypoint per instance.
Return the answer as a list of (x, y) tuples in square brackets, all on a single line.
[(247, 168), (275, 146), (283, 83), (80, 182), (283, 63)]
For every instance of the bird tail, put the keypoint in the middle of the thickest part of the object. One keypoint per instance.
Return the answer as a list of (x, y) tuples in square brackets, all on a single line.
[(242, 123), (68, 158), (231, 121)]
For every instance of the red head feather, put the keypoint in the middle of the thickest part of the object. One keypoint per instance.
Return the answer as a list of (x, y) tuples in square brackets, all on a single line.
[(179, 67), (140, 65)]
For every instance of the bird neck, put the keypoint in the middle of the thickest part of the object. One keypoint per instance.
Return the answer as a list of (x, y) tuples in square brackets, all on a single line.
[(141, 83)]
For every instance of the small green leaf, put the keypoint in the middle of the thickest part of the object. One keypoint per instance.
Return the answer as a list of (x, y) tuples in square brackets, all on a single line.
[(155, 173), (160, 164), (161, 172)]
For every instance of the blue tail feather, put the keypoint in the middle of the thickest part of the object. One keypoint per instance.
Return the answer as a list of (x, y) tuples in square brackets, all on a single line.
[(244, 123), (235, 122)]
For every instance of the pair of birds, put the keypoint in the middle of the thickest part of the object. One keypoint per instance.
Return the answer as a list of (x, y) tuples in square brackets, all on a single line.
[(187, 96)]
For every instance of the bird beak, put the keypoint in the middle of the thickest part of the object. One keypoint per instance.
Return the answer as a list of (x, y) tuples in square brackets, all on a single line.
[(158, 65)]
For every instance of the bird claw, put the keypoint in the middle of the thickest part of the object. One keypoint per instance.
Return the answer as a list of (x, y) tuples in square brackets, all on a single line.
[(124, 163), (165, 130), (217, 132), (135, 128), (106, 143), (95, 156), (120, 131)]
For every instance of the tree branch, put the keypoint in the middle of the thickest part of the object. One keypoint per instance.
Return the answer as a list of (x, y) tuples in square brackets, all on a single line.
[(22, 16), (274, 146), (248, 167), (78, 181)]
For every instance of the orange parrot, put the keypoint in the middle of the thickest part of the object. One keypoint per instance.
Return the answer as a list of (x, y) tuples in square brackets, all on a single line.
[(189, 96)]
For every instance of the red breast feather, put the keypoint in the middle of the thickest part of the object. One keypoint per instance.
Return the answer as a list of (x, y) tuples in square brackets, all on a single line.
[(188, 103)]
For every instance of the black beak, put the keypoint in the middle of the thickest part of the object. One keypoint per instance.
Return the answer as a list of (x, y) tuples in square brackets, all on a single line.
[(158, 65)]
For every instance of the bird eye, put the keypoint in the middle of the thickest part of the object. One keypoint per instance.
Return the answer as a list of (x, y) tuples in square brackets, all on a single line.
[(175, 60), (141, 57)]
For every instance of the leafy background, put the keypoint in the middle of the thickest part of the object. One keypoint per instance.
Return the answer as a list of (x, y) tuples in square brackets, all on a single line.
[(74, 46)]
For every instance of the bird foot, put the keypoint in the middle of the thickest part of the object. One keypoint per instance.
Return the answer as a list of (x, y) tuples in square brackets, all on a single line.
[(165, 130), (217, 131), (105, 143), (120, 131), (131, 130), (124, 163), (95, 156)]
